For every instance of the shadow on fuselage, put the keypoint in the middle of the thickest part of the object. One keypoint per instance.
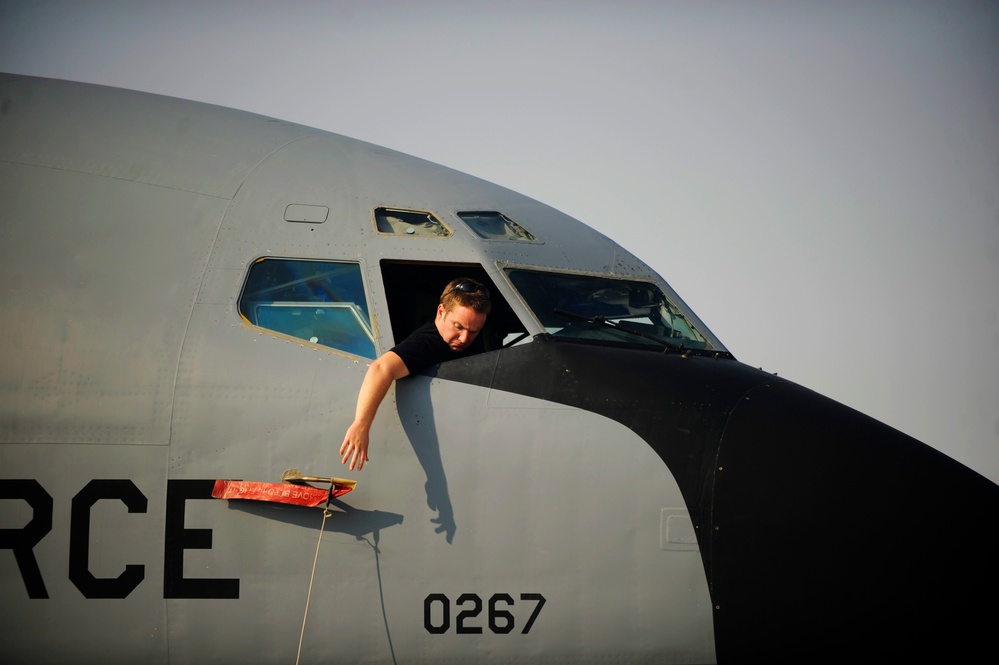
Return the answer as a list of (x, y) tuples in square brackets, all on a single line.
[(417, 415), (343, 518)]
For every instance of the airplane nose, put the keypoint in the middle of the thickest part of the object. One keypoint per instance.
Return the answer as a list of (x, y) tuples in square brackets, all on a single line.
[(828, 526), (825, 535)]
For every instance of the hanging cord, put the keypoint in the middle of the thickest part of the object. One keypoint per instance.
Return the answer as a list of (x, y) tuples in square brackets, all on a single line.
[(308, 598)]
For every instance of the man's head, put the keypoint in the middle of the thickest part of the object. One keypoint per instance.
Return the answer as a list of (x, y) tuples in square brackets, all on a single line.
[(462, 312)]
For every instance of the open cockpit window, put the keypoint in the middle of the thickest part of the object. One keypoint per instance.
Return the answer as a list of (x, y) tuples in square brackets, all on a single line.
[(413, 291), (321, 302), (492, 225), (609, 309), (409, 223)]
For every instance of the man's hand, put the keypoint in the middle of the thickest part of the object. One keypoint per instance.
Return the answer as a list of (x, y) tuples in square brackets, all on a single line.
[(355, 446)]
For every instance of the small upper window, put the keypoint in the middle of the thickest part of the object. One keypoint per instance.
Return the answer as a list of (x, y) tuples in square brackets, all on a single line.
[(321, 302), (495, 226), (409, 223)]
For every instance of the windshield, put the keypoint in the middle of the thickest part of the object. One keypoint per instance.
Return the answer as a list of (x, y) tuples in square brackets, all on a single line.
[(606, 309)]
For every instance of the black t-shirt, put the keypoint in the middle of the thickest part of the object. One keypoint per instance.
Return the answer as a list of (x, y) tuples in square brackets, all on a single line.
[(425, 348)]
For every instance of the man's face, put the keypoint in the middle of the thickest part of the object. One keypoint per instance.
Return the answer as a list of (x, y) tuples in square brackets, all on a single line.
[(460, 326)]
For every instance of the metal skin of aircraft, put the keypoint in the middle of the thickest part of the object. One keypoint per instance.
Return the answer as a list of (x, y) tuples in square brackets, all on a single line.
[(192, 294)]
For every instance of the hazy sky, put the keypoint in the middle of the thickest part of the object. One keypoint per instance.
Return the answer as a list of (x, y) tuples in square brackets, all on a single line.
[(818, 180)]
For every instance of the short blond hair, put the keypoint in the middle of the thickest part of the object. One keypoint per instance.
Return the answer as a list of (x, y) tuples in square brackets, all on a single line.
[(472, 294)]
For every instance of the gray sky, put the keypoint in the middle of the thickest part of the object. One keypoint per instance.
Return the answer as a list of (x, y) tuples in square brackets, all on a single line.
[(818, 180)]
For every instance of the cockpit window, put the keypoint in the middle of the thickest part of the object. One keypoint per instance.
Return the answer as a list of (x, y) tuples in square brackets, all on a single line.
[(606, 309), (321, 302), (413, 291), (495, 226), (409, 223)]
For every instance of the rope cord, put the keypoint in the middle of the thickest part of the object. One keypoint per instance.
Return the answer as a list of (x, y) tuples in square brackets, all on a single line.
[(308, 598)]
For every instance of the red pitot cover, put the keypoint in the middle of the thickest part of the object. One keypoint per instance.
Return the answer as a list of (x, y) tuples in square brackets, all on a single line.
[(295, 495)]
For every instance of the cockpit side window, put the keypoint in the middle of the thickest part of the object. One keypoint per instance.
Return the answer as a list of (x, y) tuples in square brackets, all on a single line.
[(413, 291), (321, 302)]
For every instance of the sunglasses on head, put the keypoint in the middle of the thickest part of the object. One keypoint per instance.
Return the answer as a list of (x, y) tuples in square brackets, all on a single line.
[(469, 287)]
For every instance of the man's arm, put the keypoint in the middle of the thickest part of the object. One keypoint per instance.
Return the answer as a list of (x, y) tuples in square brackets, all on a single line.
[(380, 375)]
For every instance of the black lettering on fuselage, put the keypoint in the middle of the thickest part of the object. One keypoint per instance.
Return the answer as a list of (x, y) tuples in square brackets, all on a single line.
[(23, 540), (177, 539), (79, 539)]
